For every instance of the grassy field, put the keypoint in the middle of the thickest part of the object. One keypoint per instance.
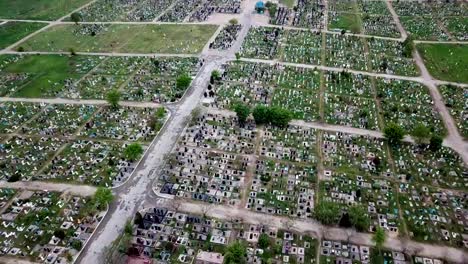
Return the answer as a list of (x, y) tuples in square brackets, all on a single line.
[(48, 72), (38, 9), (347, 21), (188, 39), (11, 32), (446, 62), (288, 3)]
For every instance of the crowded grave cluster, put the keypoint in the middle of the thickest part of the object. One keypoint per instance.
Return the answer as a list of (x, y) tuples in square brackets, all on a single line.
[(329, 49), (281, 171), (173, 236), (73, 143), (233, 131), (156, 10), (92, 77), (46, 226)]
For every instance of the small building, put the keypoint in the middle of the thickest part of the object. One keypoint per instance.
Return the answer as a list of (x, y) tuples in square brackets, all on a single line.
[(204, 257), (260, 7)]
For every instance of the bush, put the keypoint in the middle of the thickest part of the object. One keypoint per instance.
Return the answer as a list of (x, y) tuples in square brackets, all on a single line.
[(436, 143), (113, 98), (233, 21), (327, 213), (359, 218), (59, 233), (133, 151), (77, 244), (183, 81), (263, 241), (14, 178), (102, 197)]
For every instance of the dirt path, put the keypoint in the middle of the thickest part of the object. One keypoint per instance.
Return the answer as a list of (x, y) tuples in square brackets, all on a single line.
[(81, 190), (316, 229), (78, 102)]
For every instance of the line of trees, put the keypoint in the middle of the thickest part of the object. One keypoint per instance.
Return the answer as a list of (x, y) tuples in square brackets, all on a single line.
[(264, 115), (422, 135)]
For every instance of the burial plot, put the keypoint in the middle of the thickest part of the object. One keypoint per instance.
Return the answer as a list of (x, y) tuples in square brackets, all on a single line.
[(456, 100), (283, 188), (97, 163), (442, 168), (13, 115), (434, 215), (220, 132), (22, 157), (156, 81), (59, 120), (408, 104), (124, 123)]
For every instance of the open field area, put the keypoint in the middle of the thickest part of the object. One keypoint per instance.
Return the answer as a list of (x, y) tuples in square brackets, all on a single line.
[(240, 131), (185, 39), (446, 61), (11, 32), (38, 9)]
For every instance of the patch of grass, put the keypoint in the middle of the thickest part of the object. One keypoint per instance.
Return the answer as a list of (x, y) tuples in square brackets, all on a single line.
[(38, 9), (188, 39), (47, 73), (288, 3), (446, 61), (347, 21), (12, 32)]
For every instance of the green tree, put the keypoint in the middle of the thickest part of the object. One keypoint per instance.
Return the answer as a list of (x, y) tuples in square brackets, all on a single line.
[(242, 112), (235, 253), (77, 244), (421, 134), (102, 197), (261, 114), (238, 56), (160, 112), (327, 213), (233, 21), (76, 17), (394, 133), (133, 151), (408, 47), (435, 143), (183, 81), (263, 241), (280, 117), (128, 228), (379, 238), (113, 98), (215, 74), (359, 217)]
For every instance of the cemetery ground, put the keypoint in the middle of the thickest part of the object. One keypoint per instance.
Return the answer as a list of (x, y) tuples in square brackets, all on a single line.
[(46, 226), (39, 10), (124, 38), (446, 61), (223, 179), (11, 32)]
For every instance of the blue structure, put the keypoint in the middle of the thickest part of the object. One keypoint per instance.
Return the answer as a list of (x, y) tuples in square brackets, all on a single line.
[(260, 7)]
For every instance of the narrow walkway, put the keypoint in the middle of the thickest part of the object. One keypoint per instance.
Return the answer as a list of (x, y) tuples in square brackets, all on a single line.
[(78, 102), (81, 190)]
